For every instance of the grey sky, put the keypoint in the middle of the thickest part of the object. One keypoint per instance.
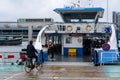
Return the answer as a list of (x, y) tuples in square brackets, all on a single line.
[(11, 10)]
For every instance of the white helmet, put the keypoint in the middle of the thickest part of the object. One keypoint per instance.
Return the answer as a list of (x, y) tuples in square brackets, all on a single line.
[(50, 40)]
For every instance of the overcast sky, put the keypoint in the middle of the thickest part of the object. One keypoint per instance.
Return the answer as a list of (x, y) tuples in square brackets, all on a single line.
[(11, 10)]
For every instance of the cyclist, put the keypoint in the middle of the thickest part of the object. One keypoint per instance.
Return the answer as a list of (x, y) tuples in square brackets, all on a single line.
[(32, 53)]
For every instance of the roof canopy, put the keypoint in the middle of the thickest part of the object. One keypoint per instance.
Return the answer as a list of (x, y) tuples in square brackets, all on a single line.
[(69, 13)]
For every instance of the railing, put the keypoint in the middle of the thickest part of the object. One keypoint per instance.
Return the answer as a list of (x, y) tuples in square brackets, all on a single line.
[(108, 57), (9, 57)]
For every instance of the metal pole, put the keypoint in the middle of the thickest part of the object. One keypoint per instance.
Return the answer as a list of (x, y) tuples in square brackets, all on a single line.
[(107, 10), (89, 3)]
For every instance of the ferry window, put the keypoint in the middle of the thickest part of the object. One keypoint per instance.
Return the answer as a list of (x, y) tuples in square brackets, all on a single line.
[(68, 17), (74, 20), (64, 28), (61, 27), (68, 40), (34, 20), (48, 20), (87, 20), (78, 28)]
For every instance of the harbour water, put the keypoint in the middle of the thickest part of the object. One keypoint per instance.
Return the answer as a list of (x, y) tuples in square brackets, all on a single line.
[(13, 48)]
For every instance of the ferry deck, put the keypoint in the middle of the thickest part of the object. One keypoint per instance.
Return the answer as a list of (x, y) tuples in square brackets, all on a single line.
[(81, 37), (61, 71)]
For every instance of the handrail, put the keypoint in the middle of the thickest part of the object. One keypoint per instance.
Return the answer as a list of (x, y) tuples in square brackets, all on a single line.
[(101, 56), (9, 52), (38, 43)]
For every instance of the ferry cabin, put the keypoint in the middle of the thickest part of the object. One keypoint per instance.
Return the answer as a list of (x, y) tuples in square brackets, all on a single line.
[(81, 34)]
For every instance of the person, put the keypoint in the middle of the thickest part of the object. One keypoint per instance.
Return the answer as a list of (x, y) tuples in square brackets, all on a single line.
[(50, 48), (32, 53)]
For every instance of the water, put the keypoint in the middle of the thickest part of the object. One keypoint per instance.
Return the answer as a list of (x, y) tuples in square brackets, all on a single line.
[(15, 48)]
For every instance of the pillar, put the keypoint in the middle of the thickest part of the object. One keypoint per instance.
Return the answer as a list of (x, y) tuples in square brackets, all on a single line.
[(30, 32)]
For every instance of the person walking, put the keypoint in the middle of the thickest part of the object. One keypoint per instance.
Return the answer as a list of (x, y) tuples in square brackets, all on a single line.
[(50, 48)]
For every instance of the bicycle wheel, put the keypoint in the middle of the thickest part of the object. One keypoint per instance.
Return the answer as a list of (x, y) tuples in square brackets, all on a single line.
[(27, 66), (38, 67)]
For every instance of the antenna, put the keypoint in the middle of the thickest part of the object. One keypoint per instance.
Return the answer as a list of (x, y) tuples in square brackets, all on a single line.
[(76, 4), (107, 10), (90, 3)]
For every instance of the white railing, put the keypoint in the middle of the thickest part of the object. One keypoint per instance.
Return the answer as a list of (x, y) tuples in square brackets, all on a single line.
[(9, 57)]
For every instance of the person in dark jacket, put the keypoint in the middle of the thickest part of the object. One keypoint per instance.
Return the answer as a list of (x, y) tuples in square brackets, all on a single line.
[(32, 52)]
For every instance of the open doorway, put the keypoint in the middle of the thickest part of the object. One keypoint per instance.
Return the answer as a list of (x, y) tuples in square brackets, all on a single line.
[(87, 47), (56, 40)]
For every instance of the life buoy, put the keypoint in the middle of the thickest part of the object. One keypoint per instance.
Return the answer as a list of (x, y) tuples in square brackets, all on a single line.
[(69, 28), (88, 27), (79, 40)]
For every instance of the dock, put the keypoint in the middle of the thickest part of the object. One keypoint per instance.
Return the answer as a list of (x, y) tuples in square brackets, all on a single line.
[(61, 71)]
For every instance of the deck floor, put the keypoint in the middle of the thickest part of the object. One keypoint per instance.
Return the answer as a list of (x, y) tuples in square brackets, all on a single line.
[(62, 68), (61, 71), (61, 58)]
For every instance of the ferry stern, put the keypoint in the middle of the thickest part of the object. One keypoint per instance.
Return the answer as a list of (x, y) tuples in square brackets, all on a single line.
[(81, 36)]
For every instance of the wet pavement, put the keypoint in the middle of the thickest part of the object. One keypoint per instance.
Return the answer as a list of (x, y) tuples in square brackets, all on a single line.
[(61, 71)]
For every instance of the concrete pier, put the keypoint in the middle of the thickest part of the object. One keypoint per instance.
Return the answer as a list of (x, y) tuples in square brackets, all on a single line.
[(63, 71)]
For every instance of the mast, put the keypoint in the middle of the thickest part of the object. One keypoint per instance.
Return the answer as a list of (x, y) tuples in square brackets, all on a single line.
[(107, 10), (75, 5), (89, 3)]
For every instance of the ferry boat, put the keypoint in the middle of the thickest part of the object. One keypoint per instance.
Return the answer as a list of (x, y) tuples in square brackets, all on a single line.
[(81, 34), (10, 41)]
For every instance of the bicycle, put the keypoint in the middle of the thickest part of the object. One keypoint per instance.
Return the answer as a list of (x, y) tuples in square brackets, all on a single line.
[(28, 66)]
